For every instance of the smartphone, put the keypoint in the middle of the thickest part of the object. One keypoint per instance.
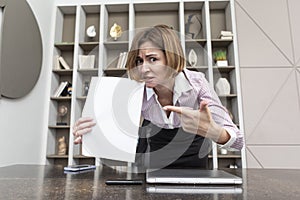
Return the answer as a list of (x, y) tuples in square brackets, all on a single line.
[(76, 168), (124, 182)]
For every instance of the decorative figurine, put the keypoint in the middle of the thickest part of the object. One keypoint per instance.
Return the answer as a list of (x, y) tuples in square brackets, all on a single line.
[(62, 111), (193, 26), (91, 31), (86, 88), (62, 146), (115, 31), (192, 58)]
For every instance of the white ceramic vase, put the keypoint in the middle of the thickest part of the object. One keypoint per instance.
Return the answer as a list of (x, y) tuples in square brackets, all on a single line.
[(193, 58), (86, 61), (222, 87)]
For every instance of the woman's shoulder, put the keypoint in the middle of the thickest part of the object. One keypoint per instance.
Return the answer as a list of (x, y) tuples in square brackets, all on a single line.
[(193, 75)]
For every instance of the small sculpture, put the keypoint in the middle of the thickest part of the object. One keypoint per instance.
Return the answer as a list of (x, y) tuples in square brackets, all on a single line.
[(222, 87), (86, 88), (193, 26), (115, 31), (62, 111), (91, 31), (62, 146), (192, 58)]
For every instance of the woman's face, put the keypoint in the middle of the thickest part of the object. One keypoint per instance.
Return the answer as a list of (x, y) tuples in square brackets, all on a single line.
[(151, 64)]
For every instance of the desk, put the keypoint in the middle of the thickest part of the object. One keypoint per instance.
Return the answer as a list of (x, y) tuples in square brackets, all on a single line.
[(50, 182)]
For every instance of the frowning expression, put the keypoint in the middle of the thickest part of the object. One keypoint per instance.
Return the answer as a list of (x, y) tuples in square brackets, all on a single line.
[(151, 63)]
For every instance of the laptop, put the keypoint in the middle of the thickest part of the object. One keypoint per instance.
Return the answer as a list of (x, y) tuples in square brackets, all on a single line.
[(194, 189), (191, 176)]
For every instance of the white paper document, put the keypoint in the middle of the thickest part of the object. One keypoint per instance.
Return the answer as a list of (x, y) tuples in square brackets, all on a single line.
[(115, 104)]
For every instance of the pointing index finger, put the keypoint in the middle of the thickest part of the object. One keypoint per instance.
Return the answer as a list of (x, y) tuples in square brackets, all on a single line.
[(173, 108)]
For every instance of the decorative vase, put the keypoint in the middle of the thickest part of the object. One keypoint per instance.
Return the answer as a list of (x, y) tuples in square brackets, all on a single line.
[(222, 87), (86, 61), (192, 58)]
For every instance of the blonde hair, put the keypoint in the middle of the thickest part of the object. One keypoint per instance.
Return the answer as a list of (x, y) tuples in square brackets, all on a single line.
[(166, 39)]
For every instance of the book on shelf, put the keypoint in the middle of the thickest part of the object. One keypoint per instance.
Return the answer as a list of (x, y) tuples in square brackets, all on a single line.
[(59, 90), (226, 35), (56, 62), (63, 63), (122, 60), (119, 60)]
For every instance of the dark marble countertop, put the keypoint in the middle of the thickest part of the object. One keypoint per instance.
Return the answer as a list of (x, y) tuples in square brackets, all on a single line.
[(50, 182)]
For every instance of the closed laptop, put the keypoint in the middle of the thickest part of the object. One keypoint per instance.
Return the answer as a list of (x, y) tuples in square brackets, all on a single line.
[(191, 176)]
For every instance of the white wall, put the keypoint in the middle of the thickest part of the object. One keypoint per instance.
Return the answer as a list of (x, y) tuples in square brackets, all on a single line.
[(23, 122), (269, 52)]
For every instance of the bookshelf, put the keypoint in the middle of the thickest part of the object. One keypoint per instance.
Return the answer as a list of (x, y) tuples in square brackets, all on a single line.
[(71, 41)]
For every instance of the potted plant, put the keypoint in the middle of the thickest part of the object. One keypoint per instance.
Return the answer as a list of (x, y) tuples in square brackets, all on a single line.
[(220, 57)]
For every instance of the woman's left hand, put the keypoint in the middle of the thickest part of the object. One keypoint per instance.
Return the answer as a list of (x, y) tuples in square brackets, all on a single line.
[(200, 122)]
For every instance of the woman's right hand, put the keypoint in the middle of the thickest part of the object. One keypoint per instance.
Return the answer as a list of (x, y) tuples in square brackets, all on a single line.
[(82, 126)]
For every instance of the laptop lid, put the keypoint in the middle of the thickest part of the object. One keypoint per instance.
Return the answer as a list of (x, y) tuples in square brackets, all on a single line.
[(191, 176)]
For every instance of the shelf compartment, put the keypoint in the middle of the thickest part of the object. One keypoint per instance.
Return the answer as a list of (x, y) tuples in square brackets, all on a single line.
[(117, 13), (194, 12), (113, 51), (65, 24), (201, 52), (148, 14), (220, 17), (90, 16)]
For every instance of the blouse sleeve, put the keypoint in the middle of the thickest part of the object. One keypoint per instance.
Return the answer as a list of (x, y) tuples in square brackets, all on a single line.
[(220, 115)]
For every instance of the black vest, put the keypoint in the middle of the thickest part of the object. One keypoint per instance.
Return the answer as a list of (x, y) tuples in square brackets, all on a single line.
[(171, 148)]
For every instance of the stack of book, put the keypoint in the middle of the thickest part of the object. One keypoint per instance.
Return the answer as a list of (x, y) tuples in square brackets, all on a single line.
[(226, 35), (122, 60), (62, 89)]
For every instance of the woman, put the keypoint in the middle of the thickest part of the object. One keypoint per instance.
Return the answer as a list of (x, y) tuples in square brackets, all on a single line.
[(181, 114)]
